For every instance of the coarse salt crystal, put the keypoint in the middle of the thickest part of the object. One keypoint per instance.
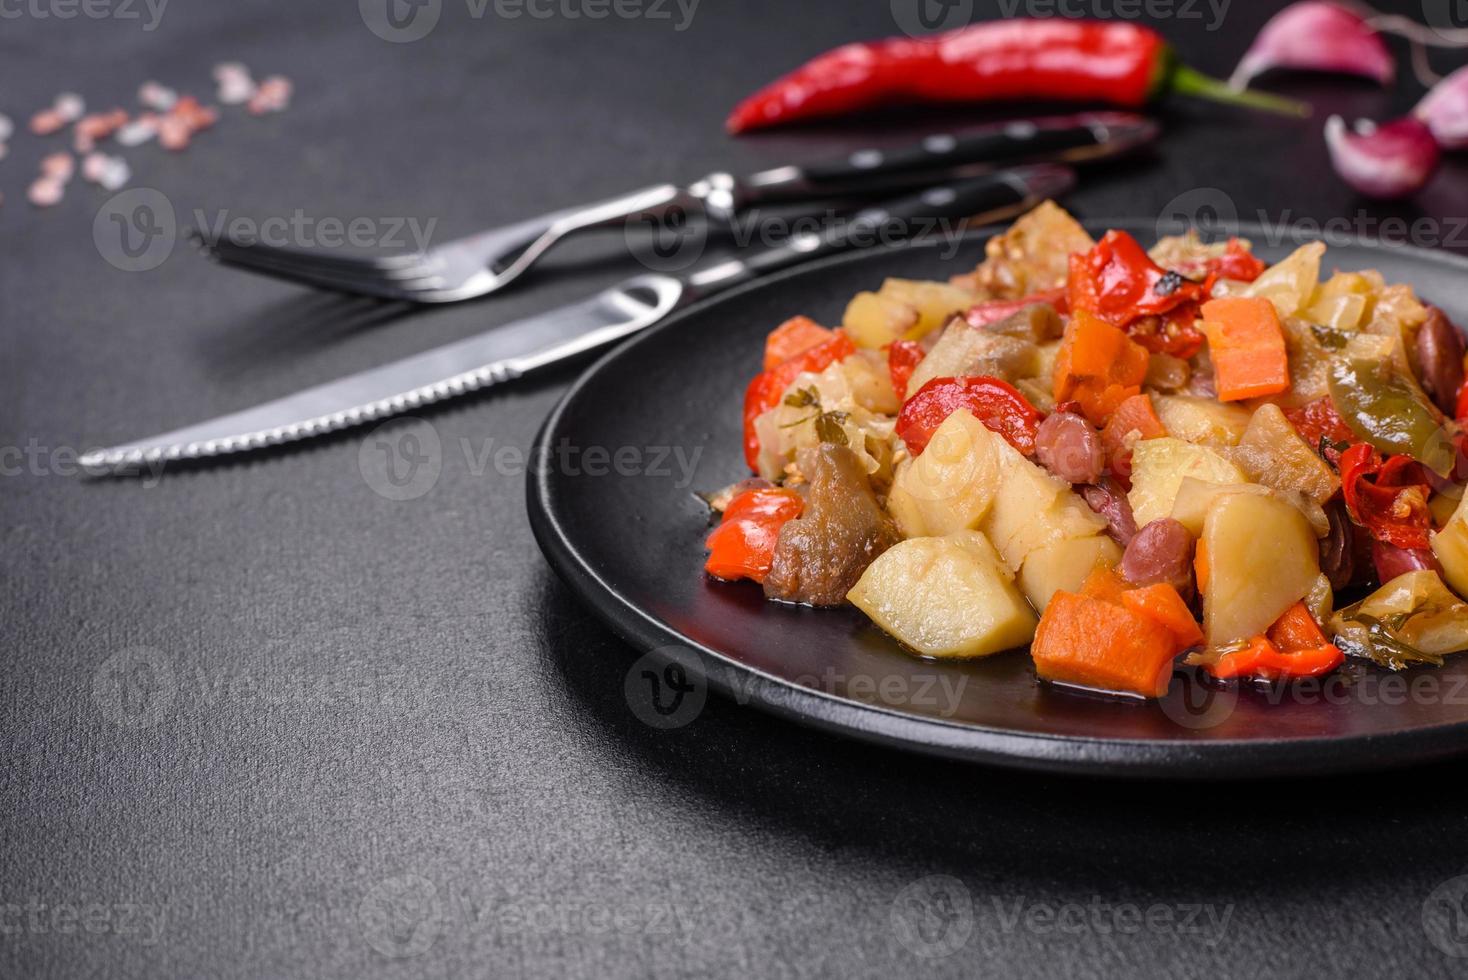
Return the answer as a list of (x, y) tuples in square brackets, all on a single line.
[(155, 96), (58, 166), (174, 133), (139, 131), (45, 191), (273, 95), (235, 90), (46, 122), (70, 106), (116, 173)]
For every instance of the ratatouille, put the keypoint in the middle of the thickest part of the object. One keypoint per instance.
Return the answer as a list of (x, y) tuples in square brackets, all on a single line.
[(1117, 456)]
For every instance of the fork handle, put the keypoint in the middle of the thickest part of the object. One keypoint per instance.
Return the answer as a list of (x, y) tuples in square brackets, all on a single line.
[(938, 210)]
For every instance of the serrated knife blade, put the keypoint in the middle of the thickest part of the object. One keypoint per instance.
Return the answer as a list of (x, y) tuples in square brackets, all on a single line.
[(499, 354)]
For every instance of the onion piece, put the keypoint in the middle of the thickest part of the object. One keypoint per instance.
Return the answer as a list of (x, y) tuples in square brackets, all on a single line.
[(1445, 111), (1386, 161), (1317, 36)]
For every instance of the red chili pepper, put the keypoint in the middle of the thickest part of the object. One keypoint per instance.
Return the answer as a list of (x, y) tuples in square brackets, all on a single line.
[(995, 403), (768, 387), (903, 357), (1033, 59), (1322, 427), (743, 545), (1393, 507), (992, 311)]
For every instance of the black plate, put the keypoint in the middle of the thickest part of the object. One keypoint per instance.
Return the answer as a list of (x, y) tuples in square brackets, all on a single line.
[(625, 532)]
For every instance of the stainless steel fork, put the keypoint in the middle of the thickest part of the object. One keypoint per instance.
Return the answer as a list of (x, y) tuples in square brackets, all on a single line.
[(488, 261)]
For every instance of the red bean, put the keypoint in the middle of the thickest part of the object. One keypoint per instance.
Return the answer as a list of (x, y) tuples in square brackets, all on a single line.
[(1440, 359), (1392, 561), (1162, 552), (1070, 447), (1107, 498)]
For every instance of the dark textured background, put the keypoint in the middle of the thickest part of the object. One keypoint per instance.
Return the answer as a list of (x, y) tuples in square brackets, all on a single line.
[(309, 731)]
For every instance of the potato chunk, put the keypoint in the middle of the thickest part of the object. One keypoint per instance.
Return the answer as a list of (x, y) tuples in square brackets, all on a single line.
[(1063, 566), (1261, 558), (903, 309), (966, 350), (1273, 453), (1450, 545), (1203, 421), (951, 485), (1159, 467), (945, 597)]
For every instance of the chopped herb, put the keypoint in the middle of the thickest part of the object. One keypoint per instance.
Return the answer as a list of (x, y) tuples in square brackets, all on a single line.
[(828, 428), (803, 397), (1328, 338)]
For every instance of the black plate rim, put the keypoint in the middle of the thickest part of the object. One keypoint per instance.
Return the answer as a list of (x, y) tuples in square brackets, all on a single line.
[(1038, 751)]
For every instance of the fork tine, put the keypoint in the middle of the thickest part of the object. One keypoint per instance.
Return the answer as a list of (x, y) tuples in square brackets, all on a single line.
[(400, 266), (370, 285), (377, 262)]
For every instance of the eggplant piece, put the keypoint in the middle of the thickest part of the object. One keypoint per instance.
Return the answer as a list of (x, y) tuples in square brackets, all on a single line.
[(821, 554)]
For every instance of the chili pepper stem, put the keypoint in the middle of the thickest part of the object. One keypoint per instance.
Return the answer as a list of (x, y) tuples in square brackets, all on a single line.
[(1183, 80)]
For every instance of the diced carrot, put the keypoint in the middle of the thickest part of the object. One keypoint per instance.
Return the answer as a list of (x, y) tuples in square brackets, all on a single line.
[(1247, 345), (1103, 583), (1200, 565), (1098, 366), (1133, 419), (1296, 630), (1097, 644), (795, 336), (1161, 603)]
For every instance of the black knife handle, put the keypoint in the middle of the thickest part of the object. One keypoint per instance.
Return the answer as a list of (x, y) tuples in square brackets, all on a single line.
[(935, 211), (937, 157)]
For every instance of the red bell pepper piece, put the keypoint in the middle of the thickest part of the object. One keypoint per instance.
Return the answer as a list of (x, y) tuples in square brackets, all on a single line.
[(1117, 282), (992, 311), (1322, 427), (768, 387), (1393, 505), (743, 545), (1236, 262), (1037, 59), (903, 357), (1293, 647), (795, 336), (993, 402)]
